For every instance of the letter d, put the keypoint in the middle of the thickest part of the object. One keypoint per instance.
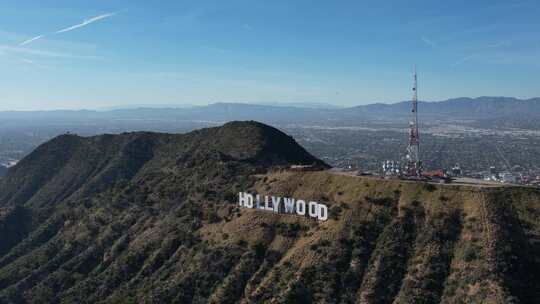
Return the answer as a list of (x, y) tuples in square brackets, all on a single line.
[(322, 212)]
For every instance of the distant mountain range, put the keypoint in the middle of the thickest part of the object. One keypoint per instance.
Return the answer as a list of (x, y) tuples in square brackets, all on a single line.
[(311, 105), (503, 111), (468, 108)]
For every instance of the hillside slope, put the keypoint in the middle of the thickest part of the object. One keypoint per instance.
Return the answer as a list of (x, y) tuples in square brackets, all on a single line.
[(90, 218), (152, 218), (407, 242)]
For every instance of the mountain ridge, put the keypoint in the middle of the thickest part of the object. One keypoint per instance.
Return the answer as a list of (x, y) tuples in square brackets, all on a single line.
[(458, 109), (316, 106), (147, 217)]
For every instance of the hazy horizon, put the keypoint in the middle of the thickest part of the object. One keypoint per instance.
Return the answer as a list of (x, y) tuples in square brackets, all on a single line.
[(321, 105)]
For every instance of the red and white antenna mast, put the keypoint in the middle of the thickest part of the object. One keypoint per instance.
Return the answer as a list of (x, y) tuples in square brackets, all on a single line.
[(412, 161)]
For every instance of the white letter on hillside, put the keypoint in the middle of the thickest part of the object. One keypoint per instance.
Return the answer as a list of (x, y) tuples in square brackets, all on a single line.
[(267, 204), (242, 199), (322, 212), (300, 207), (289, 205), (249, 201), (275, 202), (257, 201), (313, 212)]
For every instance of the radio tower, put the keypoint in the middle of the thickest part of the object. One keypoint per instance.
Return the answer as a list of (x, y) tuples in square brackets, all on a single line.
[(413, 166)]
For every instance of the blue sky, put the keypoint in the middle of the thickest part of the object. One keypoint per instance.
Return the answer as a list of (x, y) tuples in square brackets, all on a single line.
[(95, 54)]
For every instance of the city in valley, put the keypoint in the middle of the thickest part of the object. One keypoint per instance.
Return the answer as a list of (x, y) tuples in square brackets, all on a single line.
[(505, 156), (490, 148)]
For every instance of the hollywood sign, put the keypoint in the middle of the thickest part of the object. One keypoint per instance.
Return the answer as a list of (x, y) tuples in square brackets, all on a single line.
[(283, 205)]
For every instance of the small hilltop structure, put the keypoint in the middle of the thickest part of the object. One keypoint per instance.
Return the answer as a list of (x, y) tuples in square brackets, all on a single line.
[(410, 166)]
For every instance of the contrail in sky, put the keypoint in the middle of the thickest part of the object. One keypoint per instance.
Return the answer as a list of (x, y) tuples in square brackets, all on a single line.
[(31, 40), (71, 28), (85, 23)]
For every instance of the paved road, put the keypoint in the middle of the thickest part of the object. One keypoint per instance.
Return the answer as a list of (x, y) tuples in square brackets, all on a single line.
[(458, 182)]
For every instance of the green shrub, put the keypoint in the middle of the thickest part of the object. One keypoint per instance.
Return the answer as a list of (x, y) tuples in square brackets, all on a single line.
[(430, 187), (470, 253), (335, 212)]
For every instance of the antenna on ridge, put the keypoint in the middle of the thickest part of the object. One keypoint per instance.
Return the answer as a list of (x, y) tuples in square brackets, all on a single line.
[(410, 166), (413, 166)]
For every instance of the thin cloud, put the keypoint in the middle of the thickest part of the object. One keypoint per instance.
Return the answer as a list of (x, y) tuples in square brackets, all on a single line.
[(45, 54), (429, 41), (463, 60), (28, 61), (86, 22), (71, 28), (482, 29), (31, 40), (500, 44)]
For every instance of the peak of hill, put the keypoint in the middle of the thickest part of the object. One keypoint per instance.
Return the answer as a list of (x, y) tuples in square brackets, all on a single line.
[(153, 218), (70, 162)]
